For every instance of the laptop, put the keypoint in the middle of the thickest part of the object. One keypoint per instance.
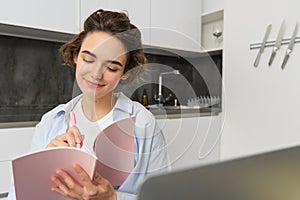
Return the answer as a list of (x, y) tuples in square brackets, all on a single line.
[(269, 176)]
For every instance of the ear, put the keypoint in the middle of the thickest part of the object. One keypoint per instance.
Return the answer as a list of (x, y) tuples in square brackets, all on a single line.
[(125, 76), (75, 58)]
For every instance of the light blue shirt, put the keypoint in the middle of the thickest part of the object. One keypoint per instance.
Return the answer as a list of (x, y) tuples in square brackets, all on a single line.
[(150, 148)]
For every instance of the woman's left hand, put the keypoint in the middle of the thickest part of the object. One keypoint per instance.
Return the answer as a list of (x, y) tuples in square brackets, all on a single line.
[(98, 188)]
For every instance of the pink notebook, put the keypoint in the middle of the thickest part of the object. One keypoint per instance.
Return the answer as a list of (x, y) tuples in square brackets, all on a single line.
[(114, 160)]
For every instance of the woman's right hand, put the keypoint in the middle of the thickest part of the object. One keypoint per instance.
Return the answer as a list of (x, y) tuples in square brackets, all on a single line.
[(68, 139)]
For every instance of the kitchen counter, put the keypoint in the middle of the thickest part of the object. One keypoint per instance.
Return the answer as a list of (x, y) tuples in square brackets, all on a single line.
[(173, 112), (162, 112)]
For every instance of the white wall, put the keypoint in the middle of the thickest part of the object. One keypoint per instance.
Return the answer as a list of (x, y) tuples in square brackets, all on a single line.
[(212, 5), (261, 104)]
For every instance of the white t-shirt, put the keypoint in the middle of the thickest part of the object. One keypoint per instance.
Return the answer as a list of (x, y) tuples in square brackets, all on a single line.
[(90, 129)]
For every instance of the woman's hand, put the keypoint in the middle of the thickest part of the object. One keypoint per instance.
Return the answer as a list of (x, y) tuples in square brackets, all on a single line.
[(98, 188), (69, 139)]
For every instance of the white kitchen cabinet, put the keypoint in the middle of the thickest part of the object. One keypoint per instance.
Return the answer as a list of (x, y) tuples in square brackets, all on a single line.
[(54, 15), (88, 7), (13, 142), (192, 141), (176, 25), (138, 12)]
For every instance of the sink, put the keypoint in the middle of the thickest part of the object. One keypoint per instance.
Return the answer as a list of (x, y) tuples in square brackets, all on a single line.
[(159, 110), (181, 107)]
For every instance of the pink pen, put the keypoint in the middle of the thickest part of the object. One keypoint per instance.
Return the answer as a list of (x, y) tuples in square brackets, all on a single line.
[(73, 123)]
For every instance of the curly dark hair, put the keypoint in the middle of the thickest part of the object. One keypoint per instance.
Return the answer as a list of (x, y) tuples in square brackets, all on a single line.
[(115, 23)]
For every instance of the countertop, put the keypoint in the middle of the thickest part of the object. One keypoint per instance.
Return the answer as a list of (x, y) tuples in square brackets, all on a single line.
[(164, 112), (172, 112)]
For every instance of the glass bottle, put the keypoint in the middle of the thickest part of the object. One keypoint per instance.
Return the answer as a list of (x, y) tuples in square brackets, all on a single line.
[(144, 98)]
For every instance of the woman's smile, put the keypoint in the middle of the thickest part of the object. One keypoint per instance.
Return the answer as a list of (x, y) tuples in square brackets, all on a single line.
[(94, 84)]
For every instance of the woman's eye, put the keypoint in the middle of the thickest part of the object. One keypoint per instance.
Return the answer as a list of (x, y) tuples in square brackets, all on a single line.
[(112, 69), (87, 61)]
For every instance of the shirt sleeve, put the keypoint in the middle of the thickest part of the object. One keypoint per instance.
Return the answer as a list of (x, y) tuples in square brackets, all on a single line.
[(125, 196), (159, 161), (11, 193)]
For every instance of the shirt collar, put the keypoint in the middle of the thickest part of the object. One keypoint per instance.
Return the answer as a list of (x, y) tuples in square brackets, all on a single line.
[(123, 103), (68, 107)]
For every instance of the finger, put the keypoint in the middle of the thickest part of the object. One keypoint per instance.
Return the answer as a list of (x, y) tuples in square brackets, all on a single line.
[(75, 136), (61, 139), (58, 190), (69, 181), (62, 188), (71, 136), (58, 141), (90, 188), (98, 178), (103, 184)]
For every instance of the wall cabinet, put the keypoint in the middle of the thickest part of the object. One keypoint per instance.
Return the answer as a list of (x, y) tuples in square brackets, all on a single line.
[(138, 12), (192, 141), (175, 25), (55, 15)]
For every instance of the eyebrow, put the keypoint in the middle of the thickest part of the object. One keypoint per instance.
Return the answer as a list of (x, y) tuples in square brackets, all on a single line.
[(87, 52), (115, 62), (108, 61)]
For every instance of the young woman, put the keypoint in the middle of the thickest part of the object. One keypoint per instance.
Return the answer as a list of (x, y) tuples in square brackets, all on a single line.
[(107, 51)]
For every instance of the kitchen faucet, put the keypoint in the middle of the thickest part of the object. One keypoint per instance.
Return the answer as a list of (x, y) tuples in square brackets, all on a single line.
[(160, 97)]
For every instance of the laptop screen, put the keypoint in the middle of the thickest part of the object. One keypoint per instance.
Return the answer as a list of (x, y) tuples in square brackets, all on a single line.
[(269, 176)]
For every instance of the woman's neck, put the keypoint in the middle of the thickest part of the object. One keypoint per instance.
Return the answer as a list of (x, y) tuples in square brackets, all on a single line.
[(95, 109)]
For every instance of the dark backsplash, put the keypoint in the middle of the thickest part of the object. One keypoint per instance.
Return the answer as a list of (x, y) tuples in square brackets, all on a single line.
[(199, 76), (33, 79)]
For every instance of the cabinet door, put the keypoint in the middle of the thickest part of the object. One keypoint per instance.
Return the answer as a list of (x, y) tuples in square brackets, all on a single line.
[(192, 141), (137, 10), (13, 142), (88, 7), (55, 15), (176, 24)]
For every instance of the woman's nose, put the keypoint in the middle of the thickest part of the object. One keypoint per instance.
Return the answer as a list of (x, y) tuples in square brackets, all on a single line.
[(99, 71)]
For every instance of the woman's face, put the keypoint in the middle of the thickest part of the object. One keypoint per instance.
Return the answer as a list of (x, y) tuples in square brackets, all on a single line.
[(100, 64)]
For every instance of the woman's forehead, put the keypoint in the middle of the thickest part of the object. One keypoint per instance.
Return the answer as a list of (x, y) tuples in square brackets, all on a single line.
[(102, 43)]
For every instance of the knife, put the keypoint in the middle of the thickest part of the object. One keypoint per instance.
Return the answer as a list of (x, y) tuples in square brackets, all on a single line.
[(263, 45), (290, 47), (277, 43)]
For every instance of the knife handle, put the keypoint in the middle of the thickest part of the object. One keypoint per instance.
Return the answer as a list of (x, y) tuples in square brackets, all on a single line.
[(286, 57), (257, 59), (272, 57)]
